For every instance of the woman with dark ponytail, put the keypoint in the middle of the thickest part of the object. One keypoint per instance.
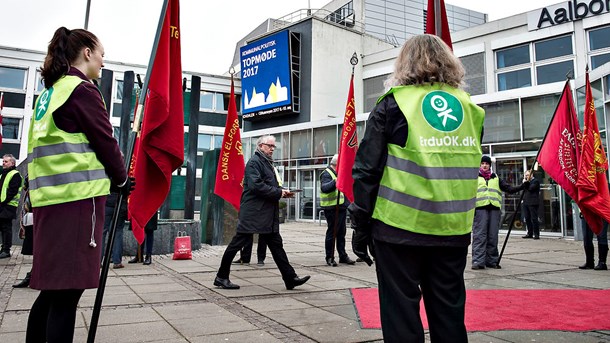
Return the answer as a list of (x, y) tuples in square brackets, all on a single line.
[(73, 159)]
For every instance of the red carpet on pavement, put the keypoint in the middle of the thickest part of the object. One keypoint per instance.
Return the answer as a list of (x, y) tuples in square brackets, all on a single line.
[(513, 309)]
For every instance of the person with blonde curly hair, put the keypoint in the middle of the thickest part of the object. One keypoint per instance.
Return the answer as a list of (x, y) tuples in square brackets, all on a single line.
[(415, 189)]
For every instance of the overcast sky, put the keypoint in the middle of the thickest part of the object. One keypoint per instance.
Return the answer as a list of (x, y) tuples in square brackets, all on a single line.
[(209, 28)]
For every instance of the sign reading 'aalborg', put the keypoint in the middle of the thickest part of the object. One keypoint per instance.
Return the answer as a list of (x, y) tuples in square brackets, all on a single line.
[(566, 12)]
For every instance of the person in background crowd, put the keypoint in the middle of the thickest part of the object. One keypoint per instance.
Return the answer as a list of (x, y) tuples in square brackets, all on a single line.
[(531, 201), (415, 192), (245, 254), (117, 246), (335, 205), (486, 224), (146, 248), (602, 247), (68, 198), (10, 186), (259, 213), (26, 226)]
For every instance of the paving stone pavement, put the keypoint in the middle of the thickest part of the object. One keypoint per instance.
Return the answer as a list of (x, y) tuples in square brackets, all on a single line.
[(175, 301)]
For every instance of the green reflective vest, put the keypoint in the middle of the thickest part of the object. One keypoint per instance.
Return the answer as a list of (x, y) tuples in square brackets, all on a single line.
[(62, 166), (489, 192), (7, 180), (430, 185), (330, 199)]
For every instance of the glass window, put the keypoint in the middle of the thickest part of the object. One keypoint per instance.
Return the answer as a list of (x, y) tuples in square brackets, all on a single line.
[(373, 89), (119, 90), (219, 106), (206, 101), (300, 144), (474, 65), (39, 83), (553, 72), (217, 141), (599, 38), (325, 141), (501, 122), (10, 128), (12, 78), (537, 114), (277, 153), (599, 60), (514, 79), (225, 101), (513, 56), (204, 142), (555, 47)]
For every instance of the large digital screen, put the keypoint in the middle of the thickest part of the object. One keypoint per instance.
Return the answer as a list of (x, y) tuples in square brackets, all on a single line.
[(265, 76)]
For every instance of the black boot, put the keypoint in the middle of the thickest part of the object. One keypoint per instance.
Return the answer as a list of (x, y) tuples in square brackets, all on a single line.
[(147, 260), (603, 253), (25, 282), (136, 259), (590, 261)]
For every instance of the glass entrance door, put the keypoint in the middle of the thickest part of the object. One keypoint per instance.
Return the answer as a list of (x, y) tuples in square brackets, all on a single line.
[(511, 171), (307, 198)]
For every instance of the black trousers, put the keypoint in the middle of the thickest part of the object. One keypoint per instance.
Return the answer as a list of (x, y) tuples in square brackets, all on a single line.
[(275, 244), (531, 219), (6, 228), (405, 274), (53, 316), (261, 250), (338, 236)]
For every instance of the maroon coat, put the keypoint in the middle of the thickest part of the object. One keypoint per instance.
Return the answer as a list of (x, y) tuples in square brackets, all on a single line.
[(63, 258)]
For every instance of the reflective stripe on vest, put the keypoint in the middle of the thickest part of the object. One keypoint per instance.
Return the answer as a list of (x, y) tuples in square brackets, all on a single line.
[(330, 199), (430, 185), (489, 192), (62, 167), (7, 180)]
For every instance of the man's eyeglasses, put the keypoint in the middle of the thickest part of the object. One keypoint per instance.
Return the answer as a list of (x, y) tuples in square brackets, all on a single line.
[(269, 145)]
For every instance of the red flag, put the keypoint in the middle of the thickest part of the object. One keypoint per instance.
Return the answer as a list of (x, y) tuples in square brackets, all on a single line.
[(230, 171), (593, 194), (560, 150), (432, 17), (1, 108), (348, 146), (161, 146)]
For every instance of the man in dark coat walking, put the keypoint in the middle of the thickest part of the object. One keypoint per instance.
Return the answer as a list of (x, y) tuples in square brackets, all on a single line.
[(259, 213), (10, 184), (531, 201)]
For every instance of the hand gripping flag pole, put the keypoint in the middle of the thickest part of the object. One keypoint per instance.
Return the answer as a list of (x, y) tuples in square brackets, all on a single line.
[(115, 214)]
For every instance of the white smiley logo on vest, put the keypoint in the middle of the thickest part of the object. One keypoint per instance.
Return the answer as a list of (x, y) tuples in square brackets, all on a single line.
[(442, 111)]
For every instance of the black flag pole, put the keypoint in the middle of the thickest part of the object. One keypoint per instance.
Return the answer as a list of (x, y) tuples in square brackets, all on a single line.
[(534, 167), (97, 307)]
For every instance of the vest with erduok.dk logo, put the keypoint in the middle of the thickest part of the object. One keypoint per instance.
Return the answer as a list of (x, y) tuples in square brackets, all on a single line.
[(489, 192), (330, 199), (430, 185), (62, 166), (7, 179)]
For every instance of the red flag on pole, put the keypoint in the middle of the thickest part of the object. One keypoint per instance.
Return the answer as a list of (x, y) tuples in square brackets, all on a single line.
[(161, 141), (593, 194), (348, 146), (1, 108), (230, 171), (436, 21), (560, 150)]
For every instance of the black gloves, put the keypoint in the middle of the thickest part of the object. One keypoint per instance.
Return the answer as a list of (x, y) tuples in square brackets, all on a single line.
[(362, 241), (128, 187)]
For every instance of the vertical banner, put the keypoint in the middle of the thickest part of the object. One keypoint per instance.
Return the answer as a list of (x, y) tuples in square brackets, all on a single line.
[(560, 150), (348, 146), (436, 16), (161, 142), (593, 194), (231, 166)]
